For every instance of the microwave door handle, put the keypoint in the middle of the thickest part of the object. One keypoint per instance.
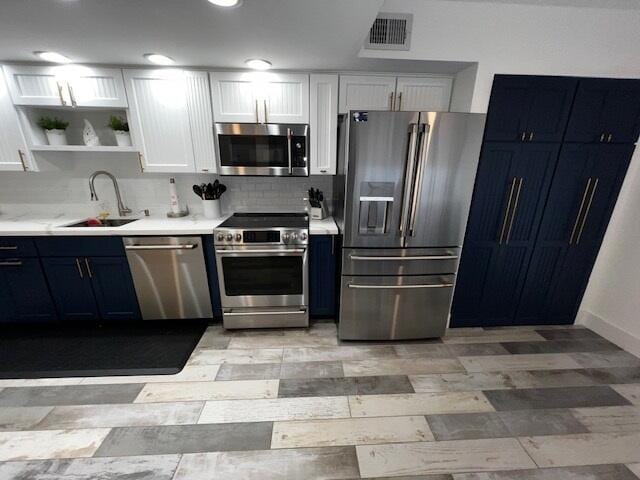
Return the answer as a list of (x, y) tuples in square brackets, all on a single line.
[(289, 135)]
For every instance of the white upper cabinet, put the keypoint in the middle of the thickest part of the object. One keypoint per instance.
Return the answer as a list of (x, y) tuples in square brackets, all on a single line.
[(366, 92), (323, 123), (423, 94), (201, 120), (260, 97), (285, 98), (234, 97), (159, 112), (13, 151), (66, 86)]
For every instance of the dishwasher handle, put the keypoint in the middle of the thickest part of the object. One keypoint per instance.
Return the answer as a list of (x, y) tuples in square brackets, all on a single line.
[(186, 246)]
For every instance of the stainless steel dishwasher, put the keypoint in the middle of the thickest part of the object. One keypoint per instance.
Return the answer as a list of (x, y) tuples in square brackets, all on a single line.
[(170, 277)]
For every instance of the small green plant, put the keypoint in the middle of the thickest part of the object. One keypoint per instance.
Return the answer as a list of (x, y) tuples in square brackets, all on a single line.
[(48, 123), (118, 123)]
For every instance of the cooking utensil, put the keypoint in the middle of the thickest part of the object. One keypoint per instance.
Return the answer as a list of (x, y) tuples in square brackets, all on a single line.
[(198, 191)]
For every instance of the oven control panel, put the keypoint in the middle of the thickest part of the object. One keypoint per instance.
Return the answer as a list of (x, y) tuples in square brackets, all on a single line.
[(261, 237)]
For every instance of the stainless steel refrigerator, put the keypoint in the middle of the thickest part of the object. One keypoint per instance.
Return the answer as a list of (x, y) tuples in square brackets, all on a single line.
[(402, 197)]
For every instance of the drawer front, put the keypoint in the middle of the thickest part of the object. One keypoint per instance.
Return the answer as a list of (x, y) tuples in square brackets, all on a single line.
[(80, 246), (17, 247), (387, 308), (406, 261)]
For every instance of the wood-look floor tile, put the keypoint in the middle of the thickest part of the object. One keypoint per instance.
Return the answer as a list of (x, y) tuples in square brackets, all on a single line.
[(194, 391), (418, 404), (50, 444), (568, 334), (635, 468), (441, 457), (461, 382), (560, 397), (559, 346), (256, 371), (609, 419), (331, 463), (595, 472), (39, 382), (22, 418), (401, 366), (613, 375), (350, 431), (69, 395), (618, 358), (285, 341), (204, 373), (216, 357), (312, 370), (631, 392), (156, 467), (529, 423), (466, 426), (126, 415), (266, 410), (493, 336), (342, 353), (497, 363), (583, 449), (185, 439)]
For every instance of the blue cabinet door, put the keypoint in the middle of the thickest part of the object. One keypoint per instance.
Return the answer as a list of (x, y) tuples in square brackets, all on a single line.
[(71, 288), (509, 196), (529, 108), (212, 274), (322, 276), (24, 295), (605, 111), (113, 287), (582, 197)]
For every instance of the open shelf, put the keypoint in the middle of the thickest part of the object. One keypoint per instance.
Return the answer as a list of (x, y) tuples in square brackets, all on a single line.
[(81, 148)]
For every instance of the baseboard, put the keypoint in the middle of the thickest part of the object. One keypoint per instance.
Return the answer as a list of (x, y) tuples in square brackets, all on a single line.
[(612, 333)]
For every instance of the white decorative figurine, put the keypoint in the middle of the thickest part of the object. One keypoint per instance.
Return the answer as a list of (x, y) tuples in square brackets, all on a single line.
[(89, 135)]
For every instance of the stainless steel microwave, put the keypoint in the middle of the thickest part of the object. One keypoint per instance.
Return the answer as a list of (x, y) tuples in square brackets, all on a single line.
[(263, 149)]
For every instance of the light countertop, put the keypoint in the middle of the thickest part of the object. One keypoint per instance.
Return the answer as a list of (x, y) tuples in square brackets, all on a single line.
[(195, 224)]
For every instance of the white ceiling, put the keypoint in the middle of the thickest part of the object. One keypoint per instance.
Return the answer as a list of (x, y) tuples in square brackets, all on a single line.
[(613, 4)]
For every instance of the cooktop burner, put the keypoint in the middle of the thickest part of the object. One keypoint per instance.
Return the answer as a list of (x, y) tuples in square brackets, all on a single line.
[(266, 220)]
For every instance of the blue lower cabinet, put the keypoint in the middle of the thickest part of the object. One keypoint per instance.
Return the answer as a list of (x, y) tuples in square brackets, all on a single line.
[(113, 288), (24, 295), (212, 274), (322, 276), (71, 288)]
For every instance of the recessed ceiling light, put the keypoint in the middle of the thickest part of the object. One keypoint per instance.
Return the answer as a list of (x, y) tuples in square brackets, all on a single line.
[(53, 57), (258, 64), (226, 3), (159, 59)]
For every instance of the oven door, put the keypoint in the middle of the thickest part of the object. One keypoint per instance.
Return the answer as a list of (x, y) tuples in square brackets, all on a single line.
[(263, 149), (253, 276)]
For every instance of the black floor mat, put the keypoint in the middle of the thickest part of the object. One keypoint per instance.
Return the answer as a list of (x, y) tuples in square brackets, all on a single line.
[(81, 350)]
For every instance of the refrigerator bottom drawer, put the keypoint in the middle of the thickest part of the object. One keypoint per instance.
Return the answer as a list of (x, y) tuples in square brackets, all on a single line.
[(394, 308)]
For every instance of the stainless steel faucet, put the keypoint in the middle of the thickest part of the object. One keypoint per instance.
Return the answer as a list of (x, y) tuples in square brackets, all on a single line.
[(122, 210)]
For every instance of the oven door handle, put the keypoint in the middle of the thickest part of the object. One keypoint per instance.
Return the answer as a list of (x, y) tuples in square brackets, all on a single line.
[(231, 313), (291, 250)]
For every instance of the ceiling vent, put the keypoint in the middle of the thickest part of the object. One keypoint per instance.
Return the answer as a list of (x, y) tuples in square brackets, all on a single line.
[(390, 31)]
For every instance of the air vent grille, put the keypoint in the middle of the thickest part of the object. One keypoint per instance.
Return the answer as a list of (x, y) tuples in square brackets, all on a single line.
[(390, 31)]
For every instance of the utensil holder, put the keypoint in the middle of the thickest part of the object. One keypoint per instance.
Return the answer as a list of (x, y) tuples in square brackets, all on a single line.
[(211, 208)]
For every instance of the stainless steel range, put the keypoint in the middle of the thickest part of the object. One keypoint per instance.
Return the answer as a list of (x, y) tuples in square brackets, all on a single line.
[(262, 261)]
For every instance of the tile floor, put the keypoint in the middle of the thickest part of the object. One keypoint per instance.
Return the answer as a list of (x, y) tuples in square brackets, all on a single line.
[(481, 404)]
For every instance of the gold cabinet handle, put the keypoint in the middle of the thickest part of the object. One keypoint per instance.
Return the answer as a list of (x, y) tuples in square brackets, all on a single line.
[(515, 208), (71, 95), (265, 112), (602, 137), (257, 113), (391, 103), (86, 262), (523, 137), (609, 137), (576, 223), (79, 268), (140, 161), (588, 209), (399, 101), (21, 156), (530, 136), (62, 100), (506, 211)]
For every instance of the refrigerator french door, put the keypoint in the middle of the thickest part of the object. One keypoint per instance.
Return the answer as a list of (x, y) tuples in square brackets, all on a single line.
[(409, 180)]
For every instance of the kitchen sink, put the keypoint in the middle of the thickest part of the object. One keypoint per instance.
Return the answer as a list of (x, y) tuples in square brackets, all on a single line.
[(115, 222)]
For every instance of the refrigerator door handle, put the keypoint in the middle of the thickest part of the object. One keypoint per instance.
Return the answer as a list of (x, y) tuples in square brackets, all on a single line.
[(423, 157), (408, 178)]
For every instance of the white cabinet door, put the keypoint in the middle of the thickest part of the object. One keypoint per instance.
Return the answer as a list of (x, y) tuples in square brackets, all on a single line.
[(323, 124), (366, 92), (37, 86), (13, 150), (234, 97), (423, 94), (160, 119), (286, 99), (201, 120), (96, 87)]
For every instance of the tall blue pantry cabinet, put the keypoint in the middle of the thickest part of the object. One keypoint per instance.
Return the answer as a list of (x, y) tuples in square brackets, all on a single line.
[(532, 237)]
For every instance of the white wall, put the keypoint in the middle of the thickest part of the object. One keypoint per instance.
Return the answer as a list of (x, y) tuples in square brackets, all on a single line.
[(611, 304), (522, 39)]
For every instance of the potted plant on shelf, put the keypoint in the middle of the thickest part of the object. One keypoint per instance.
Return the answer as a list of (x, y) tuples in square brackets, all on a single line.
[(120, 128), (54, 129)]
